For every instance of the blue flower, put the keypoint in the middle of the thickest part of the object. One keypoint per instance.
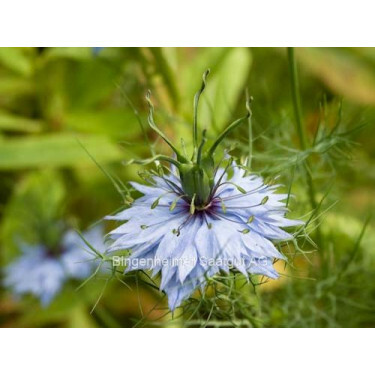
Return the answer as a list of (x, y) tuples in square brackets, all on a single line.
[(43, 272), (187, 244), (200, 218)]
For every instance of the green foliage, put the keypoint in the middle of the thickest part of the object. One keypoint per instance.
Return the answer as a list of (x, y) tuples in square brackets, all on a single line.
[(55, 150), (16, 60), (62, 108), (11, 122), (33, 214), (226, 87)]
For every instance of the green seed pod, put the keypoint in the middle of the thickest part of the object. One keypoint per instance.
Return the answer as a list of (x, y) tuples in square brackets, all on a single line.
[(195, 182)]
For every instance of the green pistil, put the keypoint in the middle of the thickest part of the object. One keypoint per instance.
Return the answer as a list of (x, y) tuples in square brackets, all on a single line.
[(196, 174), (192, 205)]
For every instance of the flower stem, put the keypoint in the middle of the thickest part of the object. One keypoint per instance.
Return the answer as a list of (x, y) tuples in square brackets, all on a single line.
[(302, 133), (196, 102), (296, 98), (250, 126)]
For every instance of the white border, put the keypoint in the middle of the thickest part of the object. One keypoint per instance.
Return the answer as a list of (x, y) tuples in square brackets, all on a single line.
[(188, 351), (190, 23), (186, 23)]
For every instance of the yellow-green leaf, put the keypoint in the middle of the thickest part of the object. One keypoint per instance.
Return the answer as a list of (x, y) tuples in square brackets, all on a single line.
[(342, 71), (16, 60), (13, 122), (56, 150)]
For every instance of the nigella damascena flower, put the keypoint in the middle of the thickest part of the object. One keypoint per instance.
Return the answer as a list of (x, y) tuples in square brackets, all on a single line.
[(201, 218), (42, 272), (232, 229)]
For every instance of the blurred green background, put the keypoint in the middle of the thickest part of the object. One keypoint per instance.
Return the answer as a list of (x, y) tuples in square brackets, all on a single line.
[(53, 99)]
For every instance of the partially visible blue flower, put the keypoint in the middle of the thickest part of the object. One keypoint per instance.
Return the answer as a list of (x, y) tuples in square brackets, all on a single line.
[(201, 219), (233, 229), (42, 272)]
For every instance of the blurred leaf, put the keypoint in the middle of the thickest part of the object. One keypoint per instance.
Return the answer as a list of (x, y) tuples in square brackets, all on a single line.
[(74, 53), (80, 317), (56, 150), (33, 213), (68, 308), (13, 122), (229, 72), (164, 68), (367, 54), (118, 123), (11, 85), (342, 71), (16, 60), (345, 227), (193, 67), (75, 85)]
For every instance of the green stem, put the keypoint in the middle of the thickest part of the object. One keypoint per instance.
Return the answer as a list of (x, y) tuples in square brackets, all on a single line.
[(195, 120), (302, 133), (296, 98), (139, 119), (155, 158), (200, 149), (158, 131), (230, 128), (250, 126)]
